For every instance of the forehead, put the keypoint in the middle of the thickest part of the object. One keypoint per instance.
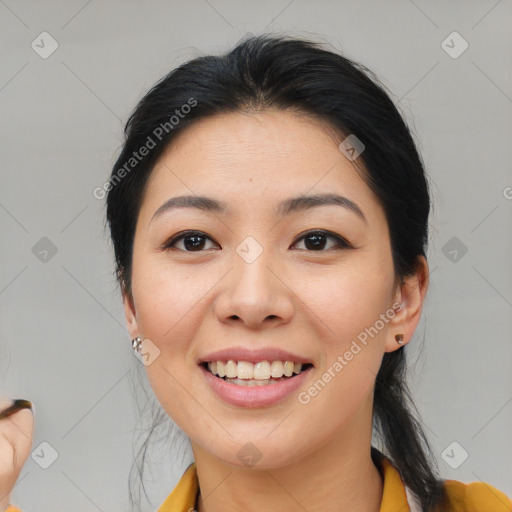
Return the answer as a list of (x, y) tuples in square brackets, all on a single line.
[(252, 161), (245, 136)]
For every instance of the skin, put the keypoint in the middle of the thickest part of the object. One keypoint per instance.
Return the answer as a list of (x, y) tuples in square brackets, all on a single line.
[(16, 435), (313, 302)]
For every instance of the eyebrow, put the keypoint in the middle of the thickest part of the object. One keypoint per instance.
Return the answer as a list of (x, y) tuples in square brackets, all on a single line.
[(284, 208)]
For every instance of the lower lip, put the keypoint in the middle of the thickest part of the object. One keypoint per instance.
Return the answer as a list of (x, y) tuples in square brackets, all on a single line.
[(254, 396)]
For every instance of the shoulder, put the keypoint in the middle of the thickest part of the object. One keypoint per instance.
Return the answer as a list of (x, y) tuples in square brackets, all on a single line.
[(475, 497)]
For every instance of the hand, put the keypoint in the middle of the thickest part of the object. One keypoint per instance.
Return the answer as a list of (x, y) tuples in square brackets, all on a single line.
[(16, 432)]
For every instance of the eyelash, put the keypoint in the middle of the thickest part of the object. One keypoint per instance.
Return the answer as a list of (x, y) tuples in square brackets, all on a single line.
[(341, 243)]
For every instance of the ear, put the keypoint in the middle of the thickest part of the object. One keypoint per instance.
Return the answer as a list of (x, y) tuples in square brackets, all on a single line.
[(411, 294), (130, 314)]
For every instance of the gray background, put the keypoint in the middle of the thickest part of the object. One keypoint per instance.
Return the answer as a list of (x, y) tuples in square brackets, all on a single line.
[(63, 342)]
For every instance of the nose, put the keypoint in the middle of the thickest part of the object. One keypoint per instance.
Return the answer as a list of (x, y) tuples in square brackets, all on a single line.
[(255, 294)]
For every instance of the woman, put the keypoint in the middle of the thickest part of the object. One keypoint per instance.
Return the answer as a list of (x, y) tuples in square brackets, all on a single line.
[(269, 216)]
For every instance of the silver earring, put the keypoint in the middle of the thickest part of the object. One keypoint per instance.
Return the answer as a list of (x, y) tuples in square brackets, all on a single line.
[(137, 344), (399, 339)]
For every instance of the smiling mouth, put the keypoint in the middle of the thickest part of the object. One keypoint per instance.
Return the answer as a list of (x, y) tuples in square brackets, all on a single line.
[(245, 373)]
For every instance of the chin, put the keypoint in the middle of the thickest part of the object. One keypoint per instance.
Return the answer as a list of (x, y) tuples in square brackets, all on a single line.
[(258, 455)]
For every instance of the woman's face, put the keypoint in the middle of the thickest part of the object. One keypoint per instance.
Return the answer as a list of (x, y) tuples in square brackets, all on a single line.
[(253, 283)]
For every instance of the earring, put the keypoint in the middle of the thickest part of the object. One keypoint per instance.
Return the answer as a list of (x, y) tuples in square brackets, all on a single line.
[(399, 339), (137, 344)]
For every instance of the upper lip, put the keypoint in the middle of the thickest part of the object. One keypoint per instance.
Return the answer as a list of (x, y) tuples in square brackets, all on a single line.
[(253, 356)]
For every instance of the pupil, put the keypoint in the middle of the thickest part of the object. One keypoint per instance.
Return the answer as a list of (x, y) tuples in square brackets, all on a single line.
[(318, 241), (197, 244)]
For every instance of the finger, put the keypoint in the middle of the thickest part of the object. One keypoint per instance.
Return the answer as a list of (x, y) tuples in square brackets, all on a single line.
[(17, 430), (15, 405)]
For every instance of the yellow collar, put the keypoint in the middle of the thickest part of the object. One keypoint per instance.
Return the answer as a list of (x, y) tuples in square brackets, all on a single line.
[(184, 496)]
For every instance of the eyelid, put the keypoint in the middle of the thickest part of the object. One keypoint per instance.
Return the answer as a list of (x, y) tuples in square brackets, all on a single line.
[(341, 241), (183, 234)]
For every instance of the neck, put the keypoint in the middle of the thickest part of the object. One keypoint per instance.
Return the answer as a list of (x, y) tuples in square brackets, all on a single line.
[(340, 475)]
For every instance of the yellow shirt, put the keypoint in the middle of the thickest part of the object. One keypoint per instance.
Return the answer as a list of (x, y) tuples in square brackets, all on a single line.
[(473, 497), (396, 497)]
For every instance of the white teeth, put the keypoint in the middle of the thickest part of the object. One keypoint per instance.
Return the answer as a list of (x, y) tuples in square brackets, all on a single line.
[(261, 372), (230, 369), (252, 382), (288, 368), (276, 369), (245, 370)]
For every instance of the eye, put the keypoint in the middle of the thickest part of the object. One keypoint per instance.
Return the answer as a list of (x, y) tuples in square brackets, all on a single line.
[(316, 240), (194, 241)]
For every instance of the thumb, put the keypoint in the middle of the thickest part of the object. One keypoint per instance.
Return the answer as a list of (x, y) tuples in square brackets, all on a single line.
[(16, 433)]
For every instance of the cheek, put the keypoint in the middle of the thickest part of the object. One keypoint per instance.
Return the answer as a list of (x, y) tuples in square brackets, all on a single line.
[(347, 310), (169, 313), (344, 302), (168, 303)]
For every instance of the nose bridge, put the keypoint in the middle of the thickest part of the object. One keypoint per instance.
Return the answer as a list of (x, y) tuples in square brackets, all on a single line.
[(252, 279), (254, 292)]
